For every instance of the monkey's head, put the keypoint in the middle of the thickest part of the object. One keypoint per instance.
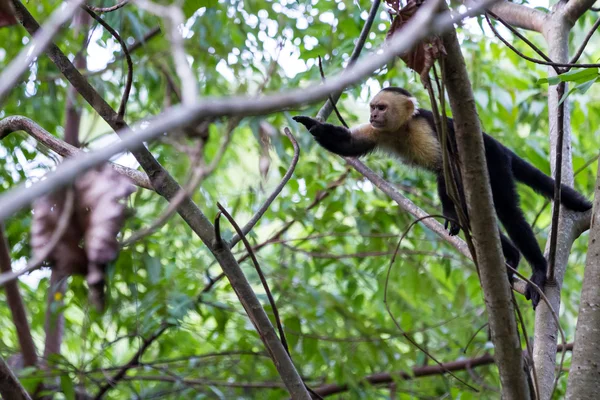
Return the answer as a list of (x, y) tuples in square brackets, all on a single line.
[(391, 108)]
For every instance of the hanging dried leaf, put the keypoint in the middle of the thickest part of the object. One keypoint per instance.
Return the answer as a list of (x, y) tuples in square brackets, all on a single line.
[(265, 132), (101, 213), (423, 55), (67, 255), (89, 242)]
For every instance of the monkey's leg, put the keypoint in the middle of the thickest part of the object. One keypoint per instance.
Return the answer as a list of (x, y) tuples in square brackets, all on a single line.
[(447, 206), (506, 200)]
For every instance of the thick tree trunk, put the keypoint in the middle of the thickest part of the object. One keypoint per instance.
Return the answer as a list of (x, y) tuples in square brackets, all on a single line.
[(496, 289), (585, 368)]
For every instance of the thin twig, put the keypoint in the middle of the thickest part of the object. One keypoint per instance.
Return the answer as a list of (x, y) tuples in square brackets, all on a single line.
[(261, 275), (107, 9), (558, 67), (554, 314), (330, 99), (129, 81), (61, 227), (585, 42), (522, 37), (473, 336), (133, 362), (528, 345), (387, 304), (199, 174), (557, 181), (250, 224), (36, 45), (325, 111), (135, 46), (514, 49)]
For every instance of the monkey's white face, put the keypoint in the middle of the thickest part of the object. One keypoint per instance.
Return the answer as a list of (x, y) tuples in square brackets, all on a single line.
[(379, 111), (389, 111)]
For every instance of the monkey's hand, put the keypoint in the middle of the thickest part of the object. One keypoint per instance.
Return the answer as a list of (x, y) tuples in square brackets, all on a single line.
[(310, 123), (539, 278), (454, 227)]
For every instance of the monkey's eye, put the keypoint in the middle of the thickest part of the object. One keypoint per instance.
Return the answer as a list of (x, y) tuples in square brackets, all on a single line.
[(381, 107)]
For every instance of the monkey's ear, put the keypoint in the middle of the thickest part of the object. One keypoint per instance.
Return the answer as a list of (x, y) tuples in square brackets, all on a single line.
[(308, 122)]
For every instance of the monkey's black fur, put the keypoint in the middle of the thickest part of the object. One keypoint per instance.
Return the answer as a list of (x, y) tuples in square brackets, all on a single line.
[(504, 167)]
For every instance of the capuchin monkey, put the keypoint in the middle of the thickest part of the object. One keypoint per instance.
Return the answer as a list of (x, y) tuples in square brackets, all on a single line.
[(398, 127)]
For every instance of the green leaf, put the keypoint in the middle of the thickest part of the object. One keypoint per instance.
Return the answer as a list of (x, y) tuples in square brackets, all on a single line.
[(68, 389)]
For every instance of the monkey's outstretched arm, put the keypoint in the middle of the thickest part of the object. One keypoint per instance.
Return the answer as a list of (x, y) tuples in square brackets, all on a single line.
[(338, 139)]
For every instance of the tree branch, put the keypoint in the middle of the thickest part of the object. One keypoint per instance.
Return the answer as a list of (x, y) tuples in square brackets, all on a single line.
[(184, 114), (417, 372), (17, 308), (485, 231), (19, 123), (36, 46), (10, 387), (583, 378), (519, 15), (575, 9), (133, 362)]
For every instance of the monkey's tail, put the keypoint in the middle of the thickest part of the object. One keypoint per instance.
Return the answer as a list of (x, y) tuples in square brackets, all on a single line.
[(543, 184)]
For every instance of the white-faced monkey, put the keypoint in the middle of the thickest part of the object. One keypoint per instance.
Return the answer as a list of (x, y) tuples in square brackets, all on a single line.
[(398, 127)]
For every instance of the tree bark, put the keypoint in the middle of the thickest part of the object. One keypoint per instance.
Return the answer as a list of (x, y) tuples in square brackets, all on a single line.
[(496, 288), (556, 32), (585, 368), (17, 308)]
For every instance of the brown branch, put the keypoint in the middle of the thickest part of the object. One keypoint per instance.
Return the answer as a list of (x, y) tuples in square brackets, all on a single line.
[(258, 316), (133, 362), (19, 123), (557, 183), (575, 9), (483, 224), (10, 387), (519, 15), (16, 306), (585, 42), (129, 81), (261, 275), (417, 372)]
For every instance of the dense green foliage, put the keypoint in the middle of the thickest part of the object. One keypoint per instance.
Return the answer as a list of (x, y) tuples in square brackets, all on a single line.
[(328, 270)]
